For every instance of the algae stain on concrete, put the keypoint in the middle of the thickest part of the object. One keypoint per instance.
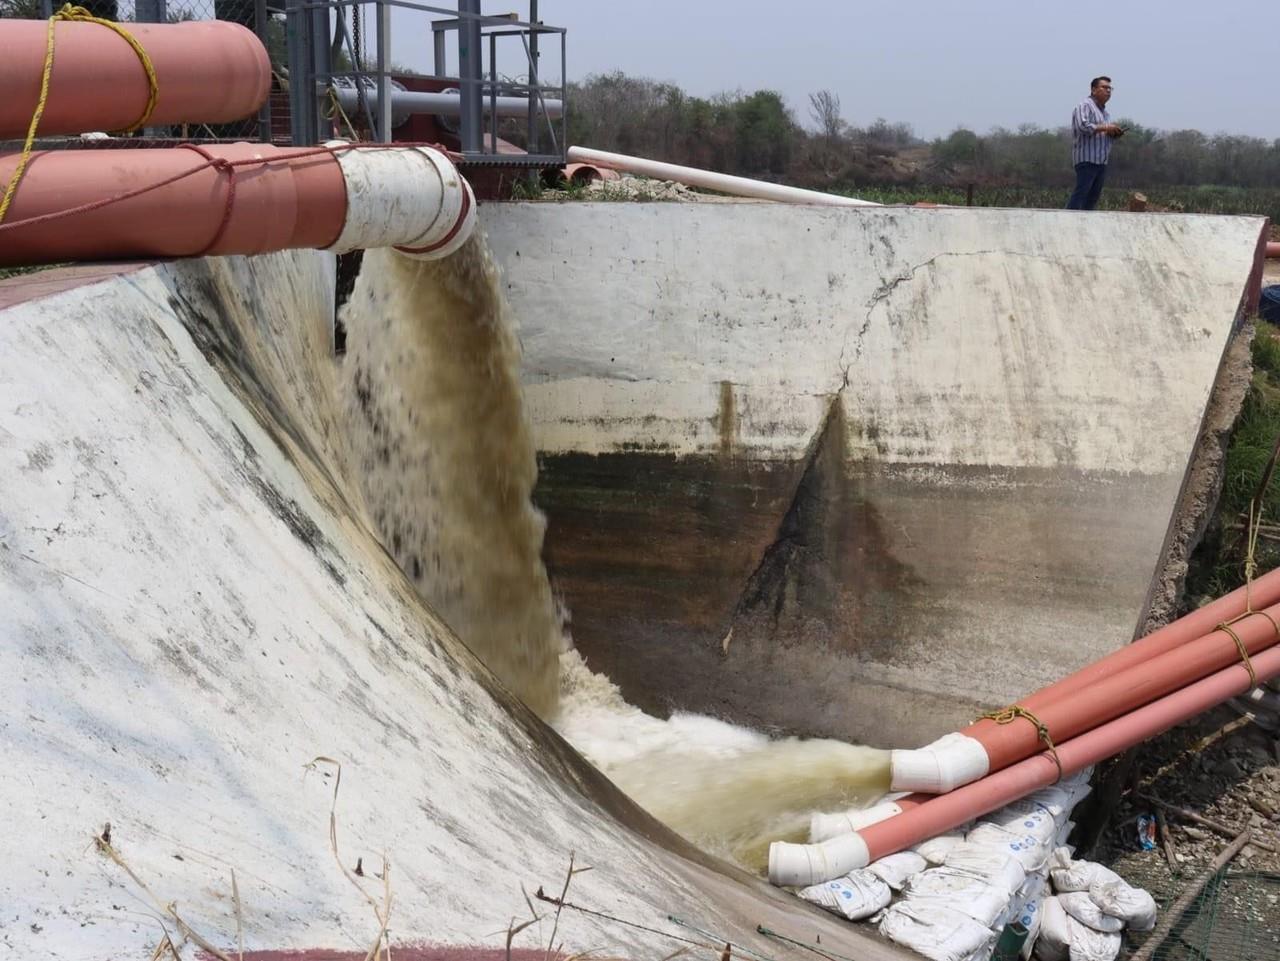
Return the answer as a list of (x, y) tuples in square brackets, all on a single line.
[(727, 420)]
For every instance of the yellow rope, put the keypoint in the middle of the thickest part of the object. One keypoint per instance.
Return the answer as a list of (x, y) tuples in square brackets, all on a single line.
[(71, 12), (337, 111), (1250, 569), (1007, 715), (80, 14), (1244, 652)]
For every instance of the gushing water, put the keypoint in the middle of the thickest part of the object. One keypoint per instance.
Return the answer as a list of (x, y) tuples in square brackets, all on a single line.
[(444, 448)]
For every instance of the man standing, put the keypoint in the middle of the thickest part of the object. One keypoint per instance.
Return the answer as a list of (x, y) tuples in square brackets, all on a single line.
[(1092, 132)]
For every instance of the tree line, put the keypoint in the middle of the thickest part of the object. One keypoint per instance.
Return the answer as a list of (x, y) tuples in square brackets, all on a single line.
[(757, 134)]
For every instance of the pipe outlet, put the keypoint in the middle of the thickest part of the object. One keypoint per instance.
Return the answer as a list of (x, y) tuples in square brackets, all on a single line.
[(411, 198), (824, 827), (799, 865), (952, 760)]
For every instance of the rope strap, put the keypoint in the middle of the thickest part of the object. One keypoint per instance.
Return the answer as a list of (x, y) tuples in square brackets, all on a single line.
[(1007, 715), (1244, 652), (70, 12), (1250, 569), (81, 15)]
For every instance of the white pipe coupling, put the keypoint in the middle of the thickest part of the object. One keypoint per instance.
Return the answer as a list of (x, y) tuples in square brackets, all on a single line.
[(823, 827), (952, 760), (409, 198), (799, 865)]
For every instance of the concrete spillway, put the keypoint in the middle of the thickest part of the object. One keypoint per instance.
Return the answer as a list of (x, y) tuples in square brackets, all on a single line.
[(848, 436), (861, 473)]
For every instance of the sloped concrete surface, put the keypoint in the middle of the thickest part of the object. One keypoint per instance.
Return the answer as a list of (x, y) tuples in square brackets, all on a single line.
[(861, 472), (192, 609)]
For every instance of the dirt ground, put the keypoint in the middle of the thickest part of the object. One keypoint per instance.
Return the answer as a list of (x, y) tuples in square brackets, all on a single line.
[(1226, 768)]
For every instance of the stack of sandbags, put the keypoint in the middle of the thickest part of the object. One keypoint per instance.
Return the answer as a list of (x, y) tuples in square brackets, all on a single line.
[(1091, 906), (951, 896)]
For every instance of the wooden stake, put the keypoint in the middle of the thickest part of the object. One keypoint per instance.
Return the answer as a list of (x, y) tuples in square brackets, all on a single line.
[(1166, 842)]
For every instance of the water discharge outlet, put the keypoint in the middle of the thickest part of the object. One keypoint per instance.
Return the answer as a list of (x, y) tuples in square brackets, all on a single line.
[(234, 199)]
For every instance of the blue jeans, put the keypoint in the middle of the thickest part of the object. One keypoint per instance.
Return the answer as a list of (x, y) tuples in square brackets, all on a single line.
[(1089, 178)]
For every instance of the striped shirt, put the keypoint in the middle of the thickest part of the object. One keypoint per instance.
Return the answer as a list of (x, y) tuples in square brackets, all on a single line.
[(1087, 146)]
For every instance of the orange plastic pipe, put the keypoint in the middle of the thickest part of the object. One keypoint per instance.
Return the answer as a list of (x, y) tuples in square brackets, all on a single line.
[(947, 811), (208, 71), (1118, 690), (1263, 592), (296, 197)]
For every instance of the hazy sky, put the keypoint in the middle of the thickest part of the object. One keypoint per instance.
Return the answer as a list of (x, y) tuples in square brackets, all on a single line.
[(938, 65)]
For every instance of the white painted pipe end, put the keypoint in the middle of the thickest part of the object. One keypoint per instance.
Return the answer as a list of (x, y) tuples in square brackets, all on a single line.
[(942, 766), (409, 198), (823, 827), (799, 865)]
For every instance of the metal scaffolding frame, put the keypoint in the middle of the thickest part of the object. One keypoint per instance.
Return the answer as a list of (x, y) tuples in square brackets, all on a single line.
[(318, 28)]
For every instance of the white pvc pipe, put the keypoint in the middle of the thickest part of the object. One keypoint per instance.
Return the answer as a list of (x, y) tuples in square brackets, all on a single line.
[(942, 766), (824, 827), (450, 104), (799, 865), (708, 180), (411, 198), (805, 864)]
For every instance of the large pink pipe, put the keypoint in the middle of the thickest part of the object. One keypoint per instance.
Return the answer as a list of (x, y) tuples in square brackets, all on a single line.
[(207, 71), (996, 790), (1273, 248), (1264, 592), (797, 864), (986, 746), (1125, 690), (232, 199), (295, 198)]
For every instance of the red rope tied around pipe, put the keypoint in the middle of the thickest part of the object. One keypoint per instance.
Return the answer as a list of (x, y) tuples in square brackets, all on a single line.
[(221, 164)]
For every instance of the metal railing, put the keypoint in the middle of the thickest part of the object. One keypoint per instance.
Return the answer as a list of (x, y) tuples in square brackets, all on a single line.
[(329, 65), (321, 57)]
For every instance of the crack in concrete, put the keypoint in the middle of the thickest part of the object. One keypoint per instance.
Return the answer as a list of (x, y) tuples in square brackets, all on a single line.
[(887, 287)]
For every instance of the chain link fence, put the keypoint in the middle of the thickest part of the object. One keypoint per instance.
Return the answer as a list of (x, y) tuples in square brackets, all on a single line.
[(1235, 918)]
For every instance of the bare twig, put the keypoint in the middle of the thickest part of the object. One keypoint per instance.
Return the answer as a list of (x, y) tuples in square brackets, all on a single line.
[(166, 946), (235, 897), (513, 929), (103, 844), (1195, 749), (1223, 829), (1173, 914), (384, 915), (383, 912), (1166, 840), (555, 924)]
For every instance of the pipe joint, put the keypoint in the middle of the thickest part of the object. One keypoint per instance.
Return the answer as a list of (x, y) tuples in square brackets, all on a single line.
[(824, 827), (410, 198), (799, 865), (952, 760)]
